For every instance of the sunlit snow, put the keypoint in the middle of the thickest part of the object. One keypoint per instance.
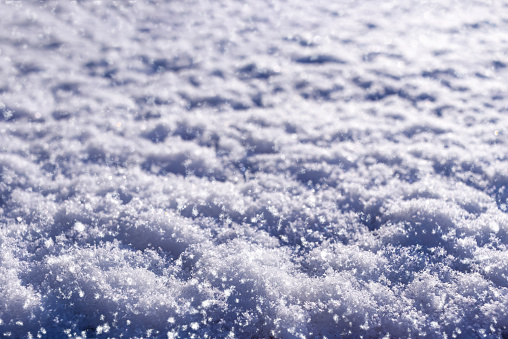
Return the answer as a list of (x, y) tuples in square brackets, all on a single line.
[(254, 169)]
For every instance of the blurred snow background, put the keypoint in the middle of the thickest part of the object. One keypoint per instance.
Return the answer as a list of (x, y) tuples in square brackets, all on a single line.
[(284, 169)]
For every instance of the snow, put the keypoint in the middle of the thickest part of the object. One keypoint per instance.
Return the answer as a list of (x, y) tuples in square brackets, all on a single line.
[(216, 169)]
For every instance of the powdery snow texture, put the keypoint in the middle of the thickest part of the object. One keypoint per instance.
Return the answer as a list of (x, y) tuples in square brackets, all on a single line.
[(285, 169)]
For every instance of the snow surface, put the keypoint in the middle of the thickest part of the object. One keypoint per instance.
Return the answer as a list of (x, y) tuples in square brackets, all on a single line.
[(287, 169)]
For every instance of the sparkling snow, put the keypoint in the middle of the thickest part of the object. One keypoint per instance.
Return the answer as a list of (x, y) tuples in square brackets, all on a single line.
[(238, 169)]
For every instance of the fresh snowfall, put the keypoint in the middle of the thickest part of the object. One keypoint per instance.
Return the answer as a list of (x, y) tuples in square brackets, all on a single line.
[(254, 169)]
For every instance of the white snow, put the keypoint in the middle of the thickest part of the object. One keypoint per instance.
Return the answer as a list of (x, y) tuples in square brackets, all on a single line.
[(286, 169)]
